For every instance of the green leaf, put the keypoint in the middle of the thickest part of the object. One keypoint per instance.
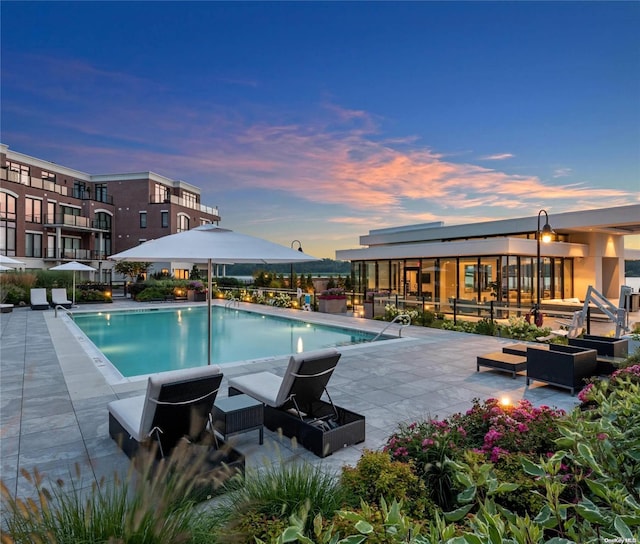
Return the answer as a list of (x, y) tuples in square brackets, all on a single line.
[(623, 529), (349, 516), (590, 512), (506, 488), (468, 494), (598, 489), (586, 453), (290, 534), (364, 527), (458, 513), (532, 468), (558, 540), (353, 539)]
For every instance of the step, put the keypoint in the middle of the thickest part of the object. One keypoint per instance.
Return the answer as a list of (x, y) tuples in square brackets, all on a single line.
[(506, 362)]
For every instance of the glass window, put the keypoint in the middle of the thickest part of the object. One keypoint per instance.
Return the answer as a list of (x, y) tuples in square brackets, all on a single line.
[(23, 171), (48, 176), (101, 192), (161, 193), (8, 239), (7, 207), (51, 212), (33, 244), (189, 198), (103, 221), (164, 218), (183, 223), (32, 210), (143, 220)]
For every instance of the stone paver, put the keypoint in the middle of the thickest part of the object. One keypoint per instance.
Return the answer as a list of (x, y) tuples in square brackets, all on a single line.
[(53, 398)]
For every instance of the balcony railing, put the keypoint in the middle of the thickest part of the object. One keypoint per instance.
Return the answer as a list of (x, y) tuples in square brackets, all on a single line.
[(16, 177), (75, 254), (75, 221), (172, 199)]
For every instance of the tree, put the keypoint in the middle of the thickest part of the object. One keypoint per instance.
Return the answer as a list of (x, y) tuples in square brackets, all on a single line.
[(131, 269)]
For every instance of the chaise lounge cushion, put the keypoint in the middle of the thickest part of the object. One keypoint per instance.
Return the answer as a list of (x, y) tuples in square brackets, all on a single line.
[(136, 414), (275, 391)]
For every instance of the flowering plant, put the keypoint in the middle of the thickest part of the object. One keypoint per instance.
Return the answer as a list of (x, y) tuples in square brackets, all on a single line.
[(333, 293), (390, 312), (196, 286)]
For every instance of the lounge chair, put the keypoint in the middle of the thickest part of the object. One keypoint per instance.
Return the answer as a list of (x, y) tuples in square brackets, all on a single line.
[(39, 299), (59, 298), (294, 405), (176, 405)]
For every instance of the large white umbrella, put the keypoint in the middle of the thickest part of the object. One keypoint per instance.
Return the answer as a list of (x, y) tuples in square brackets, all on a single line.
[(74, 266), (212, 244), (3, 268), (8, 261)]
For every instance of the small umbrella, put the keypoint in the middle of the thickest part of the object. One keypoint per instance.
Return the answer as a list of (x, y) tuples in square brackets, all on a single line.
[(212, 244), (74, 266)]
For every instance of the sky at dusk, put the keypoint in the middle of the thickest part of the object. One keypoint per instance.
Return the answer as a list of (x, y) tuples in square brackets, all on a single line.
[(318, 121)]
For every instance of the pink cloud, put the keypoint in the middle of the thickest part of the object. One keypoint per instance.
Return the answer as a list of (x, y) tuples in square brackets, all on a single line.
[(335, 156)]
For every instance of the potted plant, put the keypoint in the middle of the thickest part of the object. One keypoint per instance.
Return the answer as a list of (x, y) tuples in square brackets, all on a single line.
[(332, 301), (196, 291)]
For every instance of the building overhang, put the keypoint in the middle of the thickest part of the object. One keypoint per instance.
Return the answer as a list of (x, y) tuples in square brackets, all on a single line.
[(464, 248)]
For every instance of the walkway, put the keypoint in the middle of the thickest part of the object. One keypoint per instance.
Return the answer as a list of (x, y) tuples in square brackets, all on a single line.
[(54, 399)]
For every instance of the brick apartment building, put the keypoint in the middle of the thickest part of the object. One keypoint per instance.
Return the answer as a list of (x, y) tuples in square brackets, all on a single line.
[(51, 214)]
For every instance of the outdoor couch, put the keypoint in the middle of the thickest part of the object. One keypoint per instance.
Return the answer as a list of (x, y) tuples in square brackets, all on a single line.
[(562, 366), (604, 345)]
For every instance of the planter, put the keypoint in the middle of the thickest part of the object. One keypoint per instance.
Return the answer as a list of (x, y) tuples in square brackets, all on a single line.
[(368, 310), (196, 296), (634, 345), (332, 305)]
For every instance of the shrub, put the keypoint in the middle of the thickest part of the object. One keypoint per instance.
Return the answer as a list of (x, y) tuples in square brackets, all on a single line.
[(153, 293), (377, 476), (276, 493), (519, 329), (14, 294)]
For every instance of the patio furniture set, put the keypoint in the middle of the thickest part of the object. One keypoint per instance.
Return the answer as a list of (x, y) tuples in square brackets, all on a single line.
[(181, 406), (555, 364)]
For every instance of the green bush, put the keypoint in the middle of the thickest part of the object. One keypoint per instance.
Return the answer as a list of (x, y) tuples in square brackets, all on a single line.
[(377, 476), (273, 495), (153, 293), (14, 294)]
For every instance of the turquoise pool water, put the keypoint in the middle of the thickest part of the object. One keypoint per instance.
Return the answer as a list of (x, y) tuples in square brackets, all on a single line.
[(142, 342)]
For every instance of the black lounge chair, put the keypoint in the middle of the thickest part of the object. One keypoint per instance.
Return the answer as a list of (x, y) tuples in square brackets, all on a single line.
[(294, 405), (176, 405)]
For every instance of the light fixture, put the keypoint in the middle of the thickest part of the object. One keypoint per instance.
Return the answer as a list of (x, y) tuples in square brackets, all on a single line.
[(545, 235), (300, 250)]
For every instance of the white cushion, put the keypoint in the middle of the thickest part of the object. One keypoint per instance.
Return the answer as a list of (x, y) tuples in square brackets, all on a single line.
[(136, 414), (262, 386)]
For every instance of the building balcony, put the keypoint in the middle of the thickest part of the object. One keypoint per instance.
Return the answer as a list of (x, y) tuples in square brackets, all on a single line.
[(16, 177), (74, 255), (172, 199), (75, 222)]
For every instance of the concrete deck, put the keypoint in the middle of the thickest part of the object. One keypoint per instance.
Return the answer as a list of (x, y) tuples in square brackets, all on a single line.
[(53, 399)]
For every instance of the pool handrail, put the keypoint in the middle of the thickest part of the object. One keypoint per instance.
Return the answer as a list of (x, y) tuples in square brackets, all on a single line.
[(406, 321)]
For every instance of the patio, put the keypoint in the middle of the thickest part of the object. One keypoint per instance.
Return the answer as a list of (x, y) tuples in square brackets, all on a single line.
[(54, 399)]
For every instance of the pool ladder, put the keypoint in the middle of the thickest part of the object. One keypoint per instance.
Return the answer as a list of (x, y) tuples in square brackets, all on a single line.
[(65, 310), (232, 302), (404, 320)]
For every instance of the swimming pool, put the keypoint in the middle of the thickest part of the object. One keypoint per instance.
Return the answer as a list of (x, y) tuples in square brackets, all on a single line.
[(156, 340)]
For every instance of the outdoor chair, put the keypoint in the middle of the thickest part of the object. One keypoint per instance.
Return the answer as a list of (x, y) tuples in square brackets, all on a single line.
[(59, 298), (294, 405), (39, 299), (563, 366), (176, 405)]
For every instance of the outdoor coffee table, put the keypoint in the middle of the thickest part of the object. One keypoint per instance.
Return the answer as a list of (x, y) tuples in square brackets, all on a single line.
[(238, 414)]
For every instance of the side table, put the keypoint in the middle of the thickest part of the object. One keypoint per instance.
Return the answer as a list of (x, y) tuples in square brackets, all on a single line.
[(238, 414)]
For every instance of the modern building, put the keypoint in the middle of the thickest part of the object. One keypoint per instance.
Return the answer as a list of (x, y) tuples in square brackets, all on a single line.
[(498, 260), (50, 214)]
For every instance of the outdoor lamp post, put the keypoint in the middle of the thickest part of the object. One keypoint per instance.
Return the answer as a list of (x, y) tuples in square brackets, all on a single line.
[(545, 235), (300, 250)]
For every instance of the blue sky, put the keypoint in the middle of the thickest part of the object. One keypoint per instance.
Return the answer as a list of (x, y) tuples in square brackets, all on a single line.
[(320, 121)]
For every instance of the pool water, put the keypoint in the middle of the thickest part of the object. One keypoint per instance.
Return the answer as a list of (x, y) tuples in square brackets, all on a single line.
[(142, 342)]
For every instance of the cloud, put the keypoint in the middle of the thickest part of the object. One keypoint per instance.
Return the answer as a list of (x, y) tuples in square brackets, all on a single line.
[(562, 172), (498, 157), (328, 156)]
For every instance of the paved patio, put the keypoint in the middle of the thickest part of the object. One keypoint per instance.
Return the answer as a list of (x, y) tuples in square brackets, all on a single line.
[(53, 398)]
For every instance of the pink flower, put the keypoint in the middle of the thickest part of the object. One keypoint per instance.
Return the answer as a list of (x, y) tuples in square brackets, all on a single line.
[(602, 436), (427, 442)]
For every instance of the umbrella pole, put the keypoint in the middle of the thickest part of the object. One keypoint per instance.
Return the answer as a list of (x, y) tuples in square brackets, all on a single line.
[(73, 295), (209, 295)]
